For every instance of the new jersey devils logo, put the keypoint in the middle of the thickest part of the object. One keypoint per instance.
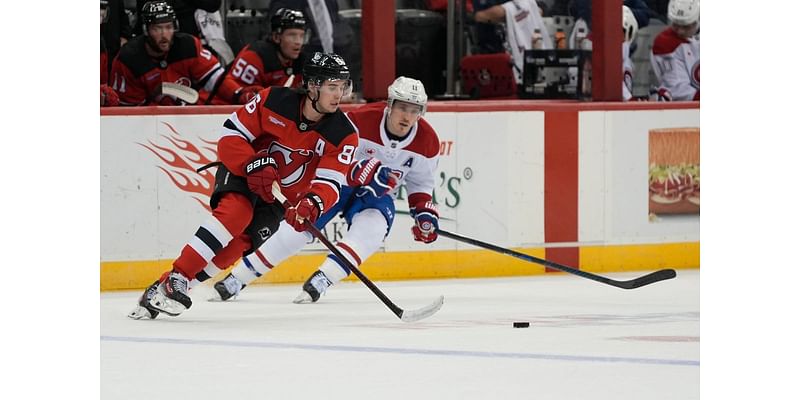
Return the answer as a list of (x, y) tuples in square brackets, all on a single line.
[(292, 163)]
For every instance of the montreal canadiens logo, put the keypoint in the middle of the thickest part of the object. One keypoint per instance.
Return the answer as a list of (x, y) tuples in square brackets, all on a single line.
[(696, 75)]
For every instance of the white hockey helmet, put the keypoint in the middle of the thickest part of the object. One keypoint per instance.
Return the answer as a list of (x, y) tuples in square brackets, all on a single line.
[(408, 90), (629, 24), (684, 12)]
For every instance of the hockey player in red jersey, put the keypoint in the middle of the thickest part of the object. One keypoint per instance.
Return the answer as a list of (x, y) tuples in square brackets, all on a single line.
[(298, 138), (676, 53), (277, 61), (164, 55), (396, 145), (108, 97)]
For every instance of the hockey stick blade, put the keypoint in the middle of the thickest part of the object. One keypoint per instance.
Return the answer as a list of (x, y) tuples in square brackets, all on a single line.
[(422, 313), (182, 92), (404, 315), (653, 277), (650, 278)]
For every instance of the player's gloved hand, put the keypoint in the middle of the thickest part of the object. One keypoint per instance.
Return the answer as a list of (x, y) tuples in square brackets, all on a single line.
[(108, 97), (261, 171), (426, 221), (308, 209), (244, 94), (372, 176)]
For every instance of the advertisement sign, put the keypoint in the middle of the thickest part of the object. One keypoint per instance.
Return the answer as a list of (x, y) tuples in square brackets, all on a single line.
[(674, 171)]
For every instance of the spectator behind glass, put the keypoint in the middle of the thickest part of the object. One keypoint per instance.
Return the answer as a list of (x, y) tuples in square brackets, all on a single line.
[(163, 55), (676, 53), (184, 11), (115, 29), (522, 19)]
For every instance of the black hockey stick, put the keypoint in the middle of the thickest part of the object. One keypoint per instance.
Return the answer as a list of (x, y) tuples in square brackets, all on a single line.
[(644, 280), (404, 315)]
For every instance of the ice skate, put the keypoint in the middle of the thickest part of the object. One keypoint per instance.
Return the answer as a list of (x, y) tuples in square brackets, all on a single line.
[(315, 286), (172, 296), (228, 288), (143, 309)]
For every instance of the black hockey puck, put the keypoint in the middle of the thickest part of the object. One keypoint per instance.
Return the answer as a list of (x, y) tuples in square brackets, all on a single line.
[(521, 324)]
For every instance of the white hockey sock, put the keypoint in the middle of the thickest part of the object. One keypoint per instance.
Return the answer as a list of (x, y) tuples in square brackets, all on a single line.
[(283, 244), (364, 238), (332, 270), (246, 274)]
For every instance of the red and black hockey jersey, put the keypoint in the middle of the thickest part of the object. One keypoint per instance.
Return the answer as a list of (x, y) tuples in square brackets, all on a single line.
[(311, 158), (137, 77), (258, 64)]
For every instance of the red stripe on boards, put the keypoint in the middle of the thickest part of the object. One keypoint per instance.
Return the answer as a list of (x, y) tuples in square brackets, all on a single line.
[(561, 185)]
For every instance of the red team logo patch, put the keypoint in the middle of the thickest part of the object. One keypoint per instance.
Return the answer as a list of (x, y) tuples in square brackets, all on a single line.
[(292, 163), (696, 75)]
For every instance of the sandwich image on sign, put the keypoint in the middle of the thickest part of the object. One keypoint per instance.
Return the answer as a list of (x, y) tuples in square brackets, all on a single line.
[(674, 173)]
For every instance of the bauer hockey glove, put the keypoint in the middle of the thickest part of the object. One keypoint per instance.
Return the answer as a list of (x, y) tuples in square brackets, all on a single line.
[(426, 222), (372, 176), (308, 209), (261, 171)]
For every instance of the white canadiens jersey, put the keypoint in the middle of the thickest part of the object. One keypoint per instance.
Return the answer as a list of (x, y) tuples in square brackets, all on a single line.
[(676, 63), (627, 72), (415, 157)]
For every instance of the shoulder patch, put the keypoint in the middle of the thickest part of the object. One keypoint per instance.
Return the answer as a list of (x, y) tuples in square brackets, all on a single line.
[(335, 127), (134, 56), (284, 102), (666, 42)]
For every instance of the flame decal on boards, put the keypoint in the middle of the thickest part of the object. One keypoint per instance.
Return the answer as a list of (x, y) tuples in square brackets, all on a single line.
[(180, 159)]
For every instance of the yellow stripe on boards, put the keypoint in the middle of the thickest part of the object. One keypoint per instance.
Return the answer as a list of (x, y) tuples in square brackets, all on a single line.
[(640, 257), (129, 275)]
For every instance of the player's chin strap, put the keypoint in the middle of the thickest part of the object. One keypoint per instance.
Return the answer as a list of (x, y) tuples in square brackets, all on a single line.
[(314, 102)]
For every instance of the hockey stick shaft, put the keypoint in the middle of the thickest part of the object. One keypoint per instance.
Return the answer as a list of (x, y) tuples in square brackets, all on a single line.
[(631, 284), (399, 312)]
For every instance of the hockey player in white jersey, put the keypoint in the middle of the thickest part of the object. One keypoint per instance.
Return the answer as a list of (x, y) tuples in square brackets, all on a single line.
[(629, 29), (676, 53), (392, 137), (581, 39)]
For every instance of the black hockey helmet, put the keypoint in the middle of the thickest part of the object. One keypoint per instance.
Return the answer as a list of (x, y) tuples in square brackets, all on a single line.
[(286, 18), (323, 67), (156, 12)]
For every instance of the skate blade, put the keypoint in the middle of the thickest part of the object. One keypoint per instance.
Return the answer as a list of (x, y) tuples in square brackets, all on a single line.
[(303, 298), (141, 313), (216, 298)]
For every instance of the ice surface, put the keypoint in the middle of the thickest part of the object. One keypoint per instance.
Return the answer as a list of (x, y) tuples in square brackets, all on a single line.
[(586, 341)]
